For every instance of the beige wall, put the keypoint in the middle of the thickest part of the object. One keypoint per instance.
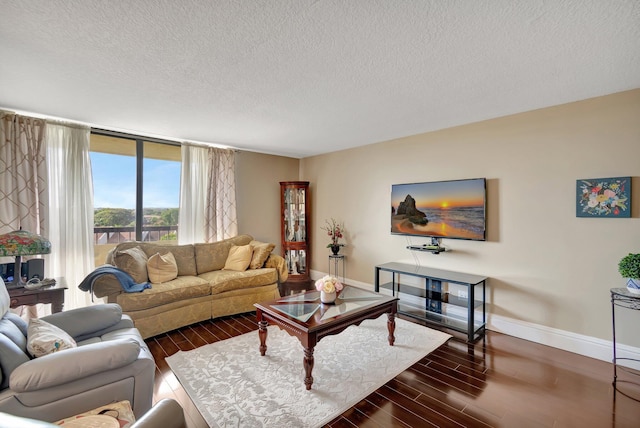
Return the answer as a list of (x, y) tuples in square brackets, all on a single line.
[(546, 266), (258, 178)]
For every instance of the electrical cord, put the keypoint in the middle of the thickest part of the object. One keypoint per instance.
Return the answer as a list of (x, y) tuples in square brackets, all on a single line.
[(35, 283)]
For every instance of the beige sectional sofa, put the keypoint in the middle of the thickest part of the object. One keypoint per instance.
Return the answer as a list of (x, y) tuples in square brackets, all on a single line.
[(202, 290)]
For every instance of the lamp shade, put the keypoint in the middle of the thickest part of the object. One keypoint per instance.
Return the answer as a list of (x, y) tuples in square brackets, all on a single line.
[(23, 243)]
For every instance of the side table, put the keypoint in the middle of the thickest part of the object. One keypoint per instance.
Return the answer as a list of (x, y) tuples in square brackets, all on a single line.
[(625, 299), (53, 294), (336, 259)]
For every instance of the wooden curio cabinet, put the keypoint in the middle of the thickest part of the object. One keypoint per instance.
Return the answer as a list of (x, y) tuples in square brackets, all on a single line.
[(295, 210)]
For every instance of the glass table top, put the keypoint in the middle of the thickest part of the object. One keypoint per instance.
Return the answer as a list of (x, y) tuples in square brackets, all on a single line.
[(303, 306)]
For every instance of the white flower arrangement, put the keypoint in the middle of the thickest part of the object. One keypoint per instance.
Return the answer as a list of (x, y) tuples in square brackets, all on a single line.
[(328, 284)]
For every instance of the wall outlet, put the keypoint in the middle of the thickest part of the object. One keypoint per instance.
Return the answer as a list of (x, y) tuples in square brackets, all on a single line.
[(463, 294)]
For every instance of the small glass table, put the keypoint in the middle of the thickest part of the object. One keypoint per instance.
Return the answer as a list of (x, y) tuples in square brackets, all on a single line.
[(337, 260), (625, 299), (305, 317)]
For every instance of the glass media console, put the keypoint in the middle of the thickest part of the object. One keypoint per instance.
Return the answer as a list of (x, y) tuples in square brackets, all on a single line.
[(454, 300)]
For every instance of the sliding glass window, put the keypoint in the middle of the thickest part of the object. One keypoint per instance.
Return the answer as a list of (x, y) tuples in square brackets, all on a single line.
[(136, 189)]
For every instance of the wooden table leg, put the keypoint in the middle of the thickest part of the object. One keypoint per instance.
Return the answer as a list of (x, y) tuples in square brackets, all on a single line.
[(391, 326), (57, 302), (308, 367), (262, 333)]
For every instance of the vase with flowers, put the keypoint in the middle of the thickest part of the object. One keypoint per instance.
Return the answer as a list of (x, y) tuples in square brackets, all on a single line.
[(335, 231), (328, 286)]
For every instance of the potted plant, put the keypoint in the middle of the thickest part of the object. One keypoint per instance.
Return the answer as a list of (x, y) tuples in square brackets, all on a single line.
[(629, 267), (335, 231)]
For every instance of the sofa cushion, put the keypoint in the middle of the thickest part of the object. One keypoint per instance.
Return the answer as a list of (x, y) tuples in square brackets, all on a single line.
[(181, 288), (225, 280), (239, 258), (162, 268), (134, 262), (183, 254), (44, 338), (213, 255), (12, 354), (261, 251)]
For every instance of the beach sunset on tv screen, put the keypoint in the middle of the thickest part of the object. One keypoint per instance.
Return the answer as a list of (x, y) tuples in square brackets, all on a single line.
[(442, 209)]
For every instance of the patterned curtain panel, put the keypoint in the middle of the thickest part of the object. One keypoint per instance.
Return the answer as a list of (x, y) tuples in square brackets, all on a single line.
[(221, 221), (23, 183), (23, 174)]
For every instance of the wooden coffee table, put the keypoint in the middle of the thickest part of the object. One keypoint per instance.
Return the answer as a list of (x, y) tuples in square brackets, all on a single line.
[(303, 316)]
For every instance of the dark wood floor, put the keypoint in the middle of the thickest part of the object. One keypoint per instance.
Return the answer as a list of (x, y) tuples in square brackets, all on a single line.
[(500, 381)]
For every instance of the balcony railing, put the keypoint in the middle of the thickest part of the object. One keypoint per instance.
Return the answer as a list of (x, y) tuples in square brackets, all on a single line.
[(115, 235)]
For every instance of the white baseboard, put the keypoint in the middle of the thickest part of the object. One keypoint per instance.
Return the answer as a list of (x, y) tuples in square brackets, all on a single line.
[(573, 342)]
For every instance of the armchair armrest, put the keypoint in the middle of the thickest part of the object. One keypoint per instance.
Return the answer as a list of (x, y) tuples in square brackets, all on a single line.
[(280, 264), (107, 286), (90, 319), (73, 364), (166, 413)]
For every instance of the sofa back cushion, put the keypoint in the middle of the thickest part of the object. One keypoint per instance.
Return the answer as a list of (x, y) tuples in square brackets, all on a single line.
[(184, 254), (134, 262), (5, 300), (261, 252), (213, 255), (13, 346)]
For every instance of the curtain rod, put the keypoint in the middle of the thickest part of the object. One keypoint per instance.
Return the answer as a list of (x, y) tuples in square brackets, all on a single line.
[(118, 134), (113, 133)]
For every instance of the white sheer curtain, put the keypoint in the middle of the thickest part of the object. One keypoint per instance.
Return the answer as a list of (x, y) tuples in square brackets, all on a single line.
[(70, 208), (193, 194), (207, 195)]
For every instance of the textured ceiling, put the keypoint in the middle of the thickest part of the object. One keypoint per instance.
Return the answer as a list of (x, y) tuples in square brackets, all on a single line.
[(305, 77)]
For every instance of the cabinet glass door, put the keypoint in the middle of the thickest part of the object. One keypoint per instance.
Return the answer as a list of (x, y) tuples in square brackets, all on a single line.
[(294, 215), (295, 228)]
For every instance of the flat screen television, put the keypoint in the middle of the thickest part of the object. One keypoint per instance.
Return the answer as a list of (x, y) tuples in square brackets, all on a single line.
[(440, 209)]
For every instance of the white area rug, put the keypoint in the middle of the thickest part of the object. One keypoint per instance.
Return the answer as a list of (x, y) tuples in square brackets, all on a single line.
[(233, 386)]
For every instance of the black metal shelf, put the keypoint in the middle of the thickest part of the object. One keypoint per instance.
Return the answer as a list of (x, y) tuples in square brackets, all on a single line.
[(431, 303), (432, 295), (435, 249), (453, 322)]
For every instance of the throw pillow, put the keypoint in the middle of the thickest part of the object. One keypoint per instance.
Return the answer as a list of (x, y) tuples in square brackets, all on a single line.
[(44, 338), (261, 252), (162, 268), (239, 258), (134, 262), (119, 413)]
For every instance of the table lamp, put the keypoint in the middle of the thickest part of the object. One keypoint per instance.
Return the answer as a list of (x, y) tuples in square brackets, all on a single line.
[(22, 243)]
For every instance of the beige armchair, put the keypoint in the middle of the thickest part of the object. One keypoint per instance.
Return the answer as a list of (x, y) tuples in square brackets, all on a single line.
[(110, 363)]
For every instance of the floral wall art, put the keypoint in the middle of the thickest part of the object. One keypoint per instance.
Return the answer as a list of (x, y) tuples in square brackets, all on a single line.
[(604, 197)]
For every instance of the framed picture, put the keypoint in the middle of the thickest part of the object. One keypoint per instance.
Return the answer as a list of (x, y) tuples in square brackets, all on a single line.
[(604, 197)]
